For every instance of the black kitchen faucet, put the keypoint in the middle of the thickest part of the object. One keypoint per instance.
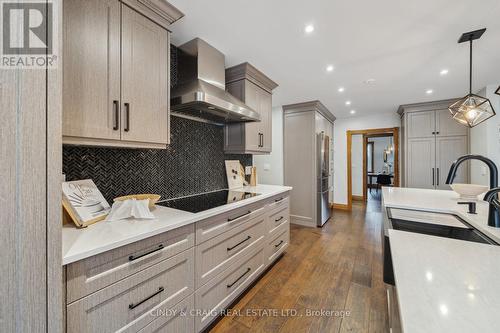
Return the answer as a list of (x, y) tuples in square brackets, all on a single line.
[(491, 196)]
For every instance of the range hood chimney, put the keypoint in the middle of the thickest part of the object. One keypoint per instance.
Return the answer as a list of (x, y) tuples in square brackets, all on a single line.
[(200, 93)]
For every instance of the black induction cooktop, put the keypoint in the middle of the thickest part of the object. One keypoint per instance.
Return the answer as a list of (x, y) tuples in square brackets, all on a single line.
[(205, 201)]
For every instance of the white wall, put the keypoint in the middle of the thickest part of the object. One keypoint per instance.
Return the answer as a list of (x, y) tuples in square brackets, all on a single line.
[(357, 165), (390, 119), (485, 138), (270, 167)]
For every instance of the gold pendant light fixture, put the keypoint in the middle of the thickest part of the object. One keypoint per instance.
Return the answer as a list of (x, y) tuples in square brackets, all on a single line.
[(472, 109)]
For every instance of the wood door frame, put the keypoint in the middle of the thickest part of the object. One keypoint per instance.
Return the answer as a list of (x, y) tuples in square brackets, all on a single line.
[(394, 131)]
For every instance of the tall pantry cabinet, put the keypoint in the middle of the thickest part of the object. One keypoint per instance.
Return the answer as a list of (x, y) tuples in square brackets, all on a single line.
[(432, 140)]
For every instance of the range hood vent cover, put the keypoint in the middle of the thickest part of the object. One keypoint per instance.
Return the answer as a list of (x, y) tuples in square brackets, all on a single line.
[(199, 92)]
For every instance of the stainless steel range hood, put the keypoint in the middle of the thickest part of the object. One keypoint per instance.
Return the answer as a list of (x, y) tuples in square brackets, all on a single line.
[(200, 91)]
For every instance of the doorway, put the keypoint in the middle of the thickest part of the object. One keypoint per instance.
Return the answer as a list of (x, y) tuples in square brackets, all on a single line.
[(372, 162)]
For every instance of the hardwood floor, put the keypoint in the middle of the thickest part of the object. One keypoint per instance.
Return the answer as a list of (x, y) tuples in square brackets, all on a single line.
[(337, 267)]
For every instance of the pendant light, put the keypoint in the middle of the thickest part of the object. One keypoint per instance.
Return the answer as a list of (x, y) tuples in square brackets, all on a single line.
[(472, 109)]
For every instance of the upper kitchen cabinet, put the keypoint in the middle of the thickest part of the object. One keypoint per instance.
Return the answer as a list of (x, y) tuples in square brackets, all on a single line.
[(255, 89), (116, 80)]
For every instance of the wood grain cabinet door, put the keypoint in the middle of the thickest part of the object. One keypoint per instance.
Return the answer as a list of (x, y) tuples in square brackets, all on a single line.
[(91, 73), (253, 130), (448, 149), (421, 124), (266, 120), (421, 163), (145, 76), (447, 126)]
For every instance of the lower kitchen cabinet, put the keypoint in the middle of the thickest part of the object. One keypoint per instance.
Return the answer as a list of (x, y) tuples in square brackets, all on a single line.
[(180, 280)]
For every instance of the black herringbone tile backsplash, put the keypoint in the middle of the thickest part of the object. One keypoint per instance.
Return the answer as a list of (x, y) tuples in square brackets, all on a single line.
[(193, 163)]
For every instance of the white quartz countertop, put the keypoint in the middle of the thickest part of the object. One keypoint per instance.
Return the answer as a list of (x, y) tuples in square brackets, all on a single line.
[(441, 202), (103, 236), (445, 285)]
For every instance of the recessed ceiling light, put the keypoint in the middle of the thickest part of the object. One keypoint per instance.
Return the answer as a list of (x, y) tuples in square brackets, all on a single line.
[(443, 72), (341, 89), (330, 68), (352, 111), (429, 91), (309, 28), (347, 102)]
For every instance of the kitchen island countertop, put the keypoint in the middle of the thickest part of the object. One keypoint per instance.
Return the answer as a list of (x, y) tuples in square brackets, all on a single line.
[(78, 244)]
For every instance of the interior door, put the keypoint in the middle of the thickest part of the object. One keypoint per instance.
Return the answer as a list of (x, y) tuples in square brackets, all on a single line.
[(421, 124), (145, 77), (91, 75), (421, 163), (253, 129), (448, 149)]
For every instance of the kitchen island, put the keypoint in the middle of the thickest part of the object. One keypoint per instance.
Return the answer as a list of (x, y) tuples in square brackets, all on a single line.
[(443, 284)]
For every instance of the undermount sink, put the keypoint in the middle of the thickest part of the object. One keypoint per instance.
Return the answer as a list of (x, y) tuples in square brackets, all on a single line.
[(427, 223), (435, 224)]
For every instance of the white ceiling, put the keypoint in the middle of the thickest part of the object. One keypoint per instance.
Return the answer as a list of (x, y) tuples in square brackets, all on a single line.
[(403, 45)]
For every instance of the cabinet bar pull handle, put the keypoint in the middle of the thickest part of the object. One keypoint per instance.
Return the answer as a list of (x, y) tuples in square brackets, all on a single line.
[(433, 177), (279, 244), (277, 220), (132, 305), (237, 217), (262, 139), (127, 117), (235, 246), (437, 177), (132, 258), (241, 277), (116, 117), (278, 200)]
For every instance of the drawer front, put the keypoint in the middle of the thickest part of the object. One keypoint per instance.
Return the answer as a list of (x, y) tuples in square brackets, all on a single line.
[(218, 253), (219, 292), (219, 224), (175, 320), (127, 304), (277, 218), (278, 244), (89, 275), (279, 201)]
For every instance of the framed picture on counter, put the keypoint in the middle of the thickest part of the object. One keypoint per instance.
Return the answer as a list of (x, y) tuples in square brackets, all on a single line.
[(84, 203)]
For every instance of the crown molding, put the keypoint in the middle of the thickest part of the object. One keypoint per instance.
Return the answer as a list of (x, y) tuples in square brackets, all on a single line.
[(249, 72), (310, 106)]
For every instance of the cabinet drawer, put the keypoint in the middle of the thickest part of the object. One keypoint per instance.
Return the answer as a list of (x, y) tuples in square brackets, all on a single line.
[(277, 245), (127, 304), (219, 224), (218, 253), (278, 217), (219, 292), (175, 320), (279, 202), (89, 275)]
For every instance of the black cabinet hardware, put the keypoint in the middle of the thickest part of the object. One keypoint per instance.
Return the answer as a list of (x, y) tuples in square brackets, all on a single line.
[(243, 241), (158, 248), (437, 177), (241, 277), (116, 115), (281, 218), (132, 305), (278, 200), (127, 117), (433, 177), (279, 244), (237, 217)]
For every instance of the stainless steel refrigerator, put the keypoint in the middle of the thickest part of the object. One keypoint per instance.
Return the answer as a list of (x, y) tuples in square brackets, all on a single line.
[(323, 184)]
